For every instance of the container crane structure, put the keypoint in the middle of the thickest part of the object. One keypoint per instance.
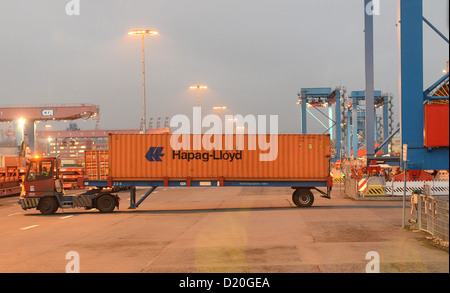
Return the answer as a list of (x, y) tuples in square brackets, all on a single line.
[(355, 113), (424, 114), (24, 118), (430, 107), (317, 98)]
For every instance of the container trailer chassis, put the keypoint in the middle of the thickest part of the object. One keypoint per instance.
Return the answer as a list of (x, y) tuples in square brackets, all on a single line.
[(102, 195), (301, 196)]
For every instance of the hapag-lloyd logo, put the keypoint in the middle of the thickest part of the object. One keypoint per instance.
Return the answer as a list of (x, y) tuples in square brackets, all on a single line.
[(241, 133), (154, 154)]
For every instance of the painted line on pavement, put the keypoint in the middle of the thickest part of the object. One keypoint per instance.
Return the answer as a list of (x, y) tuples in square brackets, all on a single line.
[(29, 227), (14, 214), (65, 217)]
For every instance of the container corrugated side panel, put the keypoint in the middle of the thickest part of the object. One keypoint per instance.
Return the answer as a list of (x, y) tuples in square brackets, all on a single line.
[(96, 164), (300, 157)]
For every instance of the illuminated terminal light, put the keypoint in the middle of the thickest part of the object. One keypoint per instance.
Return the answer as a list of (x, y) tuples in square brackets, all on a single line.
[(22, 122), (323, 105), (143, 32), (198, 87)]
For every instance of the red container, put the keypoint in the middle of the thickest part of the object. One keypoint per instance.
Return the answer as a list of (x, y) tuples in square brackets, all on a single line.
[(436, 130)]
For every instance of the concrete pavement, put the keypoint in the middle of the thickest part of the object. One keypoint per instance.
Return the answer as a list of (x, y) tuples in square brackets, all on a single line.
[(225, 230)]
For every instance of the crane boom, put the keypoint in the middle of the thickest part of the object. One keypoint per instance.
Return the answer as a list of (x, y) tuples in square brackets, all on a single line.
[(49, 112)]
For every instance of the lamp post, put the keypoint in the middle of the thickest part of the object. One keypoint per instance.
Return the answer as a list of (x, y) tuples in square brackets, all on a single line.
[(220, 108), (144, 104), (198, 87)]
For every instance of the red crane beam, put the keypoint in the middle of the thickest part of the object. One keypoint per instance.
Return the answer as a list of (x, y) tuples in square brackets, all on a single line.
[(49, 112)]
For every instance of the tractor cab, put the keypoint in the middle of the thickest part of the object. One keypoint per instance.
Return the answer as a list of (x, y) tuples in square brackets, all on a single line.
[(41, 185), (42, 188), (42, 178)]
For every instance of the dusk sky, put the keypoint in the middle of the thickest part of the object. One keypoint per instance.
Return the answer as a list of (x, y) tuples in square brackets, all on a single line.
[(254, 55)]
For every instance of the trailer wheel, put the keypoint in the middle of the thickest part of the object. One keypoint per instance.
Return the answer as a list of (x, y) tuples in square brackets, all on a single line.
[(48, 205), (106, 203), (303, 198)]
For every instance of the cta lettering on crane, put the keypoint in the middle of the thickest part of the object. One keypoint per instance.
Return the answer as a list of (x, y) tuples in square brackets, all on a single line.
[(48, 112)]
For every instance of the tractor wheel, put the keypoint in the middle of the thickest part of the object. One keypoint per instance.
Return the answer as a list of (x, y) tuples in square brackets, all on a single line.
[(48, 205), (106, 203)]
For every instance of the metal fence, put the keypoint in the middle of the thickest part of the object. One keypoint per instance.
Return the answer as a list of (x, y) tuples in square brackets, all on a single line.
[(437, 187), (430, 214), (351, 188)]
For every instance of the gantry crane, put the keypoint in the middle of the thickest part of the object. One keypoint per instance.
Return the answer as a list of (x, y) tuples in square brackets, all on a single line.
[(24, 118)]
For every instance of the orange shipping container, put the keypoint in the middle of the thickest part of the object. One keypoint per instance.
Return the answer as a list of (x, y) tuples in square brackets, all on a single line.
[(96, 164), (151, 157), (11, 162)]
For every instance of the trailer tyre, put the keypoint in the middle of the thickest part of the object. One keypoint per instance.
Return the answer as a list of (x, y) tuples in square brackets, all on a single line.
[(303, 198), (106, 203), (48, 205)]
